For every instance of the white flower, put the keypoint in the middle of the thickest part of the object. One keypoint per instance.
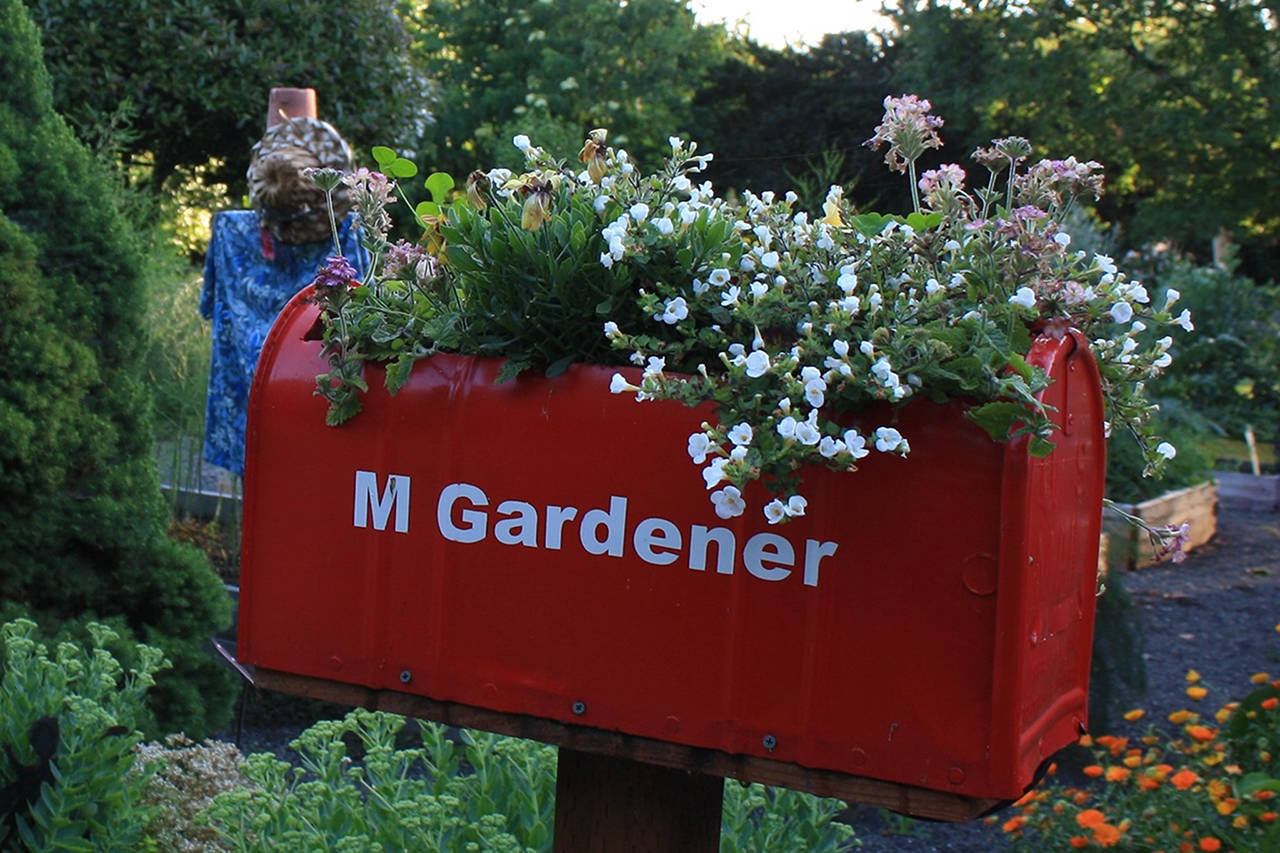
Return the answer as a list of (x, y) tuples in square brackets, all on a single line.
[(714, 472), (888, 439), (611, 330), (738, 454), (664, 225), (847, 282), (699, 446), (757, 340), (601, 202), (815, 392), (1163, 360), (787, 426), (719, 277), (757, 364), (681, 184), (728, 502), (759, 289), (606, 260), (796, 505), (1105, 264), (674, 310), (521, 141), (931, 286), (638, 211), (784, 405), (741, 434), (699, 287), (840, 347), (775, 511), (1167, 450), (730, 297), (654, 366), (1062, 238), (855, 443), (770, 260), (830, 447), (737, 349), (1171, 296), (1184, 320), (1025, 297), (1122, 312), (618, 384), (807, 433), (866, 348)]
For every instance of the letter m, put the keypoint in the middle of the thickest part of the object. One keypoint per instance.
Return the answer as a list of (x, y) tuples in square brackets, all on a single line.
[(396, 495)]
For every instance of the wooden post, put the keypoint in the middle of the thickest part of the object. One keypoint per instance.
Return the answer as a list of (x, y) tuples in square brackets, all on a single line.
[(615, 805)]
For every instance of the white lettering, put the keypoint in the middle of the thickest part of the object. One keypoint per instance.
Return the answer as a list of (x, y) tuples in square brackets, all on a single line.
[(614, 523), (522, 530), (396, 494), (813, 552), (556, 518), (726, 544), (476, 521), (771, 547), (656, 533)]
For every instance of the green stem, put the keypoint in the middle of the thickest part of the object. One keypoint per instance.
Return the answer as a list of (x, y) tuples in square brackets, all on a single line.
[(915, 190)]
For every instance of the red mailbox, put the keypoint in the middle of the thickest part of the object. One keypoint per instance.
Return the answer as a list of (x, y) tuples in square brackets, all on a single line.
[(543, 547)]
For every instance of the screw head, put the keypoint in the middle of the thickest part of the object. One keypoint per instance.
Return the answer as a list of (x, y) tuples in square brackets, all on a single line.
[(769, 742), (406, 676), (579, 707)]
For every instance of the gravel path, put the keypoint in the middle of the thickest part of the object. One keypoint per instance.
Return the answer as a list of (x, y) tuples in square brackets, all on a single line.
[(1216, 612)]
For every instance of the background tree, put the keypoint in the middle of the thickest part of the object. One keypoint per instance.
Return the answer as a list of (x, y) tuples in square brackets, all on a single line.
[(795, 119), (82, 520), (186, 81), (1180, 100), (556, 70)]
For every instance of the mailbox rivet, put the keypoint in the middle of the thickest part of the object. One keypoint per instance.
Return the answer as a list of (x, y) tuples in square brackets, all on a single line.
[(405, 676), (769, 742), (579, 707)]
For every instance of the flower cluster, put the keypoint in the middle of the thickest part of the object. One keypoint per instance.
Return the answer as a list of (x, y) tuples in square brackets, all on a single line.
[(1209, 786), (786, 321)]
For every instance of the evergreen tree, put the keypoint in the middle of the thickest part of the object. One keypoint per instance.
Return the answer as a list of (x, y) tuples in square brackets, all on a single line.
[(82, 520)]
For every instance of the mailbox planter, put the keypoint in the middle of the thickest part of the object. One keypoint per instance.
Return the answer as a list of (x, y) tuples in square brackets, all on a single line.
[(544, 549)]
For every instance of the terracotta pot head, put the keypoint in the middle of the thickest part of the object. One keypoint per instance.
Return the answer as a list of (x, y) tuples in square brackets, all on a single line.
[(290, 103)]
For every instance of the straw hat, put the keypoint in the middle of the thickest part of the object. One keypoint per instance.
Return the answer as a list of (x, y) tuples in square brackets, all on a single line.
[(291, 206)]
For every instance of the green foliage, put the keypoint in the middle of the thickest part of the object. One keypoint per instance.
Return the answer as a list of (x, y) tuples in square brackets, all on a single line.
[(195, 75), (82, 521), (556, 70), (779, 820), (68, 725), (1228, 373), (358, 787), (1177, 98)]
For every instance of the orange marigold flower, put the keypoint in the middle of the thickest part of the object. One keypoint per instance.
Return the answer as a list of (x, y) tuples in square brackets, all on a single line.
[(1270, 704), (1148, 783), (1081, 798), (1093, 771), (1192, 676), (1134, 715), (1085, 740), (1150, 739), (1164, 769), (1013, 824), (1186, 847), (1180, 717), (1090, 818), (1212, 759), (1197, 693), (1223, 714), (1184, 779), (1133, 760), (1240, 821), (1267, 817), (1203, 733), (1264, 794), (1210, 843), (1079, 842), (1117, 774), (1259, 677), (1106, 835), (1227, 806)]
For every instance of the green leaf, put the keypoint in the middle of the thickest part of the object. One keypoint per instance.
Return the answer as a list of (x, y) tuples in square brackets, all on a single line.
[(870, 224), (398, 373), (439, 184), (426, 209), (512, 368), (997, 418), (384, 156), (1022, 366), (558, 367), (401, 168), (605, 306), (924, 221), (1251, 783), (1040, 446)]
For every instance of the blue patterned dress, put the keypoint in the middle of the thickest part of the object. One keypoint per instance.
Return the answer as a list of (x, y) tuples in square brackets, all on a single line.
[(243, 292)]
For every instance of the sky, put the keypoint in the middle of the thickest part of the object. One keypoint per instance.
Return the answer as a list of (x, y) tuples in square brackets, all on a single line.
[(774, 22)]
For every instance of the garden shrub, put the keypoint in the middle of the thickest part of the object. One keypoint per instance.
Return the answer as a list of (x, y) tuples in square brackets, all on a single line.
[(82, 520), (68, 727), (357, 788)]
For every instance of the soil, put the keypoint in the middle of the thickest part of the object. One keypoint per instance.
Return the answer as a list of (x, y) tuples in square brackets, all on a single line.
[(1216, 612)]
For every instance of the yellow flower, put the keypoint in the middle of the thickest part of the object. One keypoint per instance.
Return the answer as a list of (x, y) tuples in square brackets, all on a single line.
[(1180, 717), (1197, 693), (1240, 821), (831, 213), (1192, 676), (593, 153), (1259, 677), (1134, 715)]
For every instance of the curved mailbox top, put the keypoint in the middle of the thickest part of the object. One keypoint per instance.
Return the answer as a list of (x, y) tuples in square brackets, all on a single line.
[(544, 547)]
